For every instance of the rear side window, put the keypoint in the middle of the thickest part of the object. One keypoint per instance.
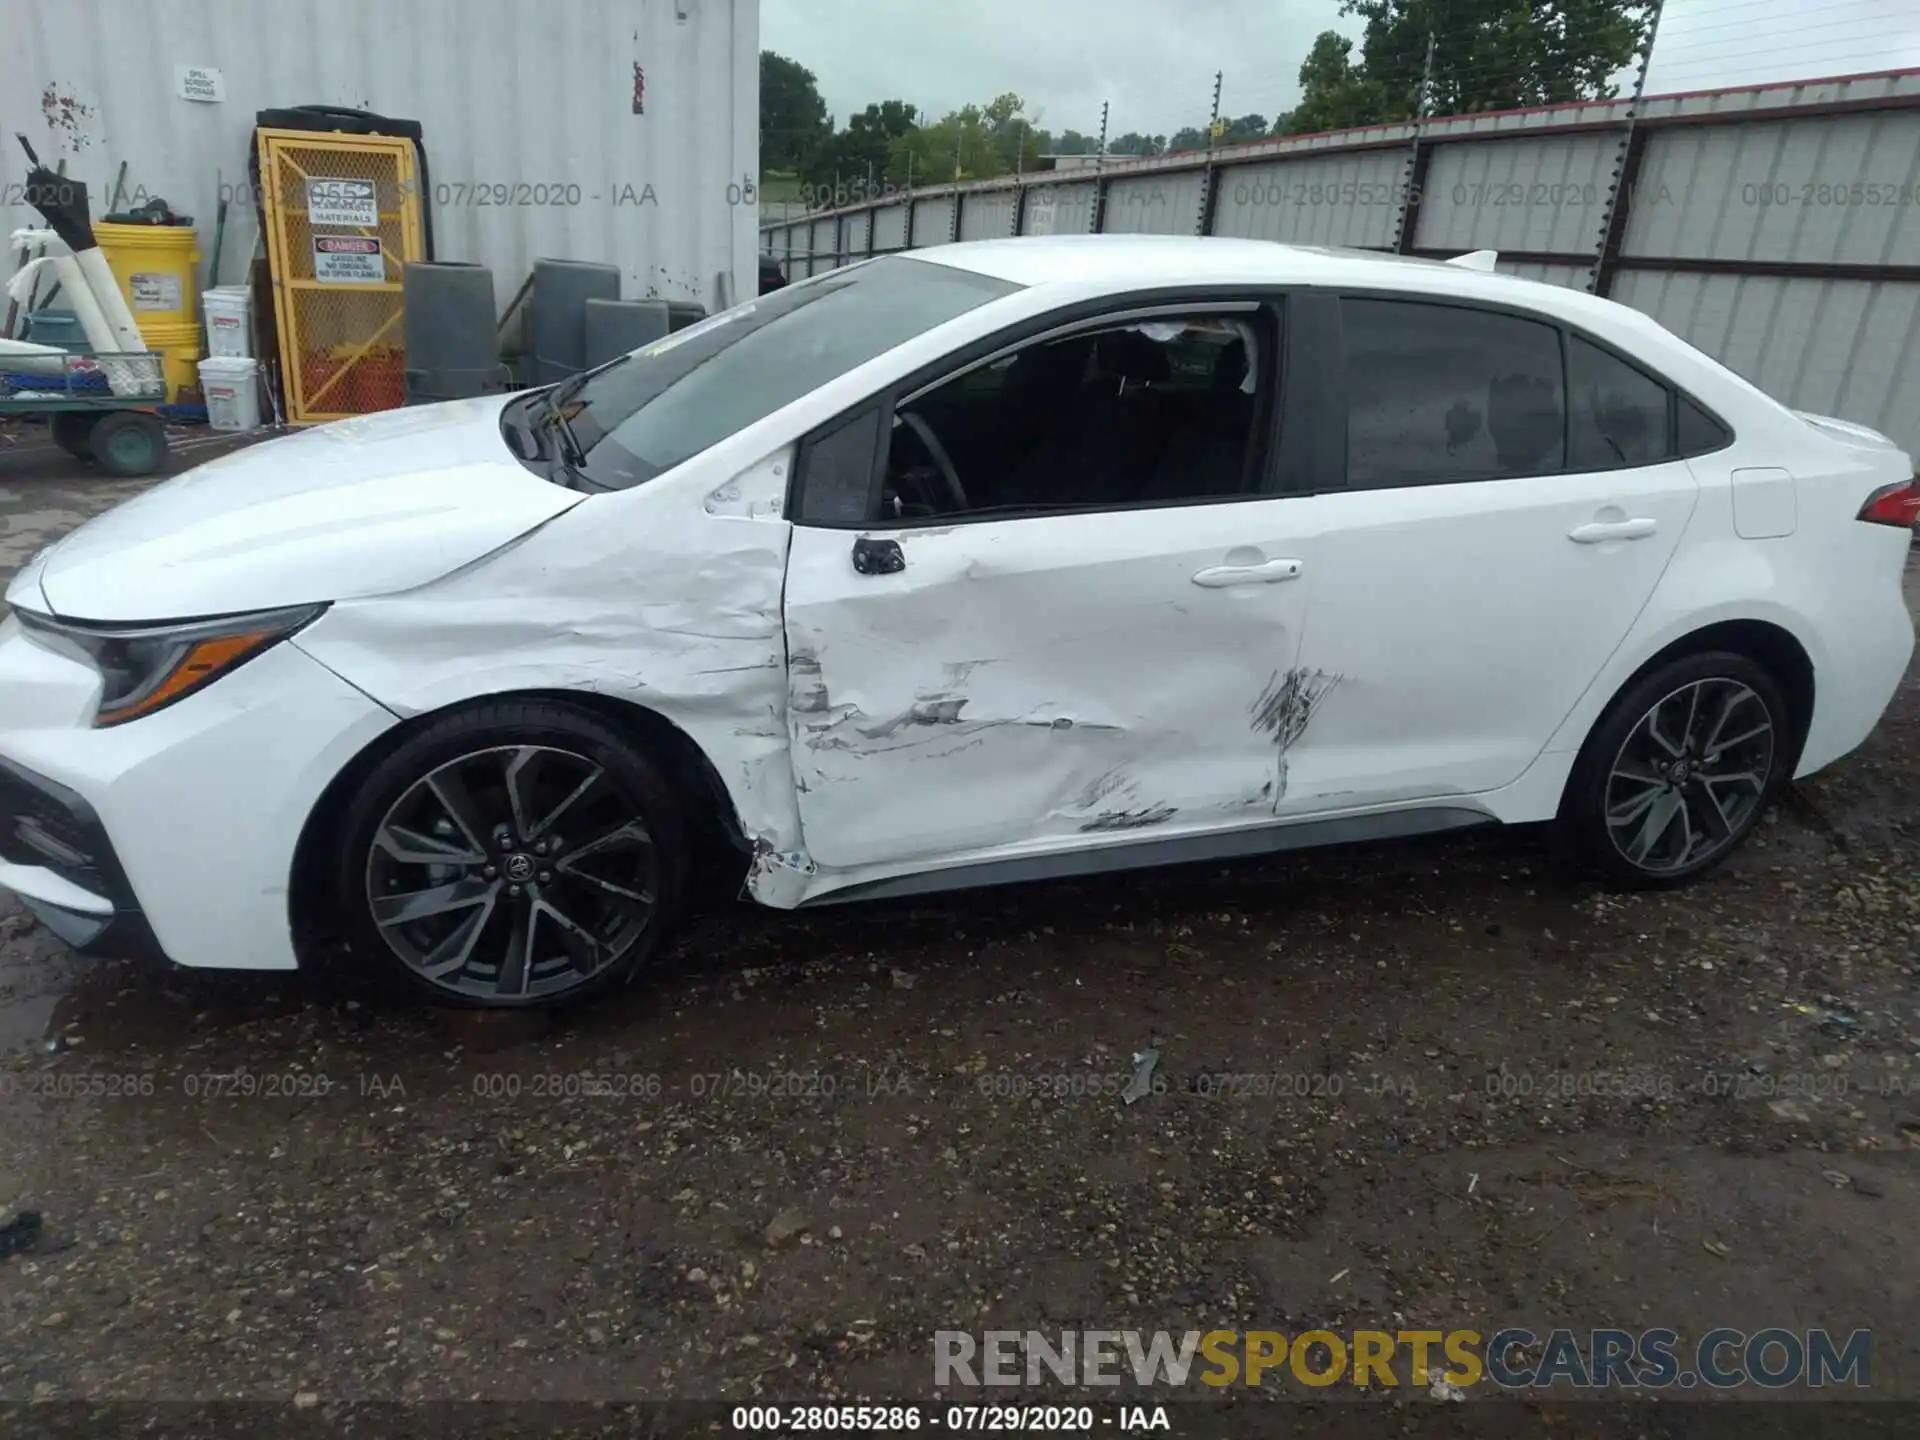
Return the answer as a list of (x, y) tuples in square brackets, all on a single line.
[(1700, 433), (1444, 393), (1619, 414)]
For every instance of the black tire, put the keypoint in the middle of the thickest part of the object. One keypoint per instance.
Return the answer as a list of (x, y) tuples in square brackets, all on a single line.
[(73, 432), (128, 443), (555, 747), (1668, 780)]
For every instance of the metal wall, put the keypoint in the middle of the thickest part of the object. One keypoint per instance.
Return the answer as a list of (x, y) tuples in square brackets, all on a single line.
[(933, 219), (1837, 347), (1349, 199), (1777, 227), (1165, 203), (988, 215), (890, 227), (1536, 194), (1059, 209), (540, 116)]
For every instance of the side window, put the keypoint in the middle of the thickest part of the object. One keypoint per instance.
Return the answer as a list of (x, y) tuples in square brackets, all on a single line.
[(1619, 414), (1148, 412), (1446, 393), (837, 471), (1700, 433)]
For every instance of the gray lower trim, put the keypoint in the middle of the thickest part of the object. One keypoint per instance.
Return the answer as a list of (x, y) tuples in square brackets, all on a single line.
[(1213, 845)]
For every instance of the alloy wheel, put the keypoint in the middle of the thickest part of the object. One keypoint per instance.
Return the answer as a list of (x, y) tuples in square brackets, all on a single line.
[(1690, 776), (513, 872)]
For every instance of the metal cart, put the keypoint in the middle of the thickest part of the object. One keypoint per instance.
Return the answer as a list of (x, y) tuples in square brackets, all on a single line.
[(100, 408)]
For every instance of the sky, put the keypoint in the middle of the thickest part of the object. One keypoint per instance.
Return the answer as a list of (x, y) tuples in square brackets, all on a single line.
[(1154, 60)]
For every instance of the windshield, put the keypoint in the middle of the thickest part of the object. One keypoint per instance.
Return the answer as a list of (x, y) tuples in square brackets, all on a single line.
[(665, 403)]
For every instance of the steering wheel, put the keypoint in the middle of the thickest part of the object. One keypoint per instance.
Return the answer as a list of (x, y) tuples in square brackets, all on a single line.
[(923, 432)]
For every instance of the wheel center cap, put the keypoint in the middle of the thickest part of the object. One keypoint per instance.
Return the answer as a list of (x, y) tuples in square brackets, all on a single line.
[(518, 868), (1678, 772)]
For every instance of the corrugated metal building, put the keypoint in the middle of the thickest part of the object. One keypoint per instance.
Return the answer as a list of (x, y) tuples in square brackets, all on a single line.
[(1777, 227), (624, 131)]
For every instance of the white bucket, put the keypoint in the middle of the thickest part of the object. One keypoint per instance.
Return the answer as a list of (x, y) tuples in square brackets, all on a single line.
[(229, 322), (232, 388)]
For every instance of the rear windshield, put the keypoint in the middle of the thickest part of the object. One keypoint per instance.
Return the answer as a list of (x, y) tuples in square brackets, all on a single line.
[(663, 404)]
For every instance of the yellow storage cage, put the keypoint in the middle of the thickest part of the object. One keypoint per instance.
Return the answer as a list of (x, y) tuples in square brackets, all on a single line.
[(342, 216)]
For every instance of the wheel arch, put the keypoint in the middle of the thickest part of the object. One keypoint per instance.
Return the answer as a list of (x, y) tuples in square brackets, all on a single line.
[(708, 806), (1768, 644)]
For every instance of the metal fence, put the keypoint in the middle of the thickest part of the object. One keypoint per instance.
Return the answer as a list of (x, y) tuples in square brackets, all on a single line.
[(1776, 227)]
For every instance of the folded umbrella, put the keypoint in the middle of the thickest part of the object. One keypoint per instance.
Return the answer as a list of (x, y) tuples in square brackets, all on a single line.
[(63, 204)]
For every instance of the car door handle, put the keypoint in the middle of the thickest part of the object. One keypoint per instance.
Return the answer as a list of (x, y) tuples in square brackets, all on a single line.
[(1270, 572), (1594, 531)]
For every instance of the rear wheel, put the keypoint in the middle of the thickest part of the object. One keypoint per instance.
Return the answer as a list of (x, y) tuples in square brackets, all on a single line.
[(1679, 770), (520, 854), (129, 443), (73, 432)]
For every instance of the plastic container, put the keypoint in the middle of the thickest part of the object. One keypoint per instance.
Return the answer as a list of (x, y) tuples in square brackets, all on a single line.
[(557, 317), (229, 322), (155, 265), (179, 345), (452, 344), (232, 390), (619, 327), (57, 327)]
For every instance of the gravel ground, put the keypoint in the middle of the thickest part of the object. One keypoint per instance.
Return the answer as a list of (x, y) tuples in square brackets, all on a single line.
[(1429, 1085)]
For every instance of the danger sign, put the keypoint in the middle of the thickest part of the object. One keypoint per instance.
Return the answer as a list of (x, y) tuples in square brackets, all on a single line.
[(348, 260)]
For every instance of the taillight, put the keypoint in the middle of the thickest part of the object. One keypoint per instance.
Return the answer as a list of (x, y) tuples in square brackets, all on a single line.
[(1894, 505)]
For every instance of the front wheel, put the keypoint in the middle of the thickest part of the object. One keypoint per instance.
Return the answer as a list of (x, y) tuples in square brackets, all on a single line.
[(1679, 770), (73, 432), (520, 854)]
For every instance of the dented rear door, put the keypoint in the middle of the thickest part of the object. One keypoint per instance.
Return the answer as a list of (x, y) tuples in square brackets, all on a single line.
[(1044, 682)]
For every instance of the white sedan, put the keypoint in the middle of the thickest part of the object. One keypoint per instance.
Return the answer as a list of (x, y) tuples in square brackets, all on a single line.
[(983, 563)]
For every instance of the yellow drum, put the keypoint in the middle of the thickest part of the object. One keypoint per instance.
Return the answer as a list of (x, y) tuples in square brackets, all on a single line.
[(155, 265), (179, 346)]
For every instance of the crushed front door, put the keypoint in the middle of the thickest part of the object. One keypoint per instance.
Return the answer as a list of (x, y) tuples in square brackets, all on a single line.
[(1043, 682)]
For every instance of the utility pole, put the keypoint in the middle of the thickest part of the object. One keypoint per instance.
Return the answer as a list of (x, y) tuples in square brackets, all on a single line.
[(1100, 155), (1419, 157), (1626, 172), (1213, 121)]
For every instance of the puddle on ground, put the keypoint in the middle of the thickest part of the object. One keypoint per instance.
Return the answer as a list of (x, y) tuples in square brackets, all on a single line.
[(36, 972)]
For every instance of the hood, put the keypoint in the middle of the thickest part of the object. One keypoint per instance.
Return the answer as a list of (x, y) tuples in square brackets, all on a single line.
[(357, 508), (1846, 432)]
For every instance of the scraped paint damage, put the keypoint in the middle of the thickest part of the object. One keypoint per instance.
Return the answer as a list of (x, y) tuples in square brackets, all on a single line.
[(1284, 710)]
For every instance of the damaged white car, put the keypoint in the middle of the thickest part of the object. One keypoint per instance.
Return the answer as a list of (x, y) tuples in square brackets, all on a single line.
[(984, 563)]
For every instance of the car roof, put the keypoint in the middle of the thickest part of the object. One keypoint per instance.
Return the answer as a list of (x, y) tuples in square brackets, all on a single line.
[(1119, 263)]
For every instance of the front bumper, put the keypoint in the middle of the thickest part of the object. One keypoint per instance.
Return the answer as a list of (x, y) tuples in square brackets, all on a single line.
[(175, 833), (55, 855)]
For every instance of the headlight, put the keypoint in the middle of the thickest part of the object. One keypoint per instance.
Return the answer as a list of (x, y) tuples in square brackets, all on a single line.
[(144, 668)]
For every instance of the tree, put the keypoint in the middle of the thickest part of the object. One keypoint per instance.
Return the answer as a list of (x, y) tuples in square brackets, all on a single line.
[(1487, 55), (793, 117), (1191, 138), (1134, 143), (1334, 93), (1071, 142), (861, 151), (1013, 134), (1243, 128)]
